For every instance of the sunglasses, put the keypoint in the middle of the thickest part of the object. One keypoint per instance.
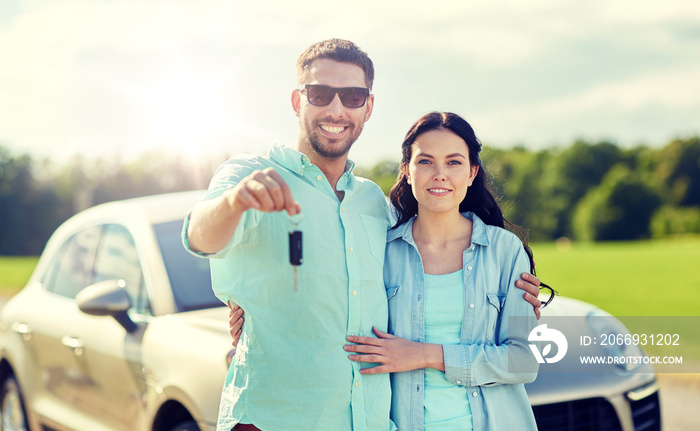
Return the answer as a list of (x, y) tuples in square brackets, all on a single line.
[(323, 95), (547, 290)]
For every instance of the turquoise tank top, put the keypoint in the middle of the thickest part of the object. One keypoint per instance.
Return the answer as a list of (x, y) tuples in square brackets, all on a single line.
[(446, 405)]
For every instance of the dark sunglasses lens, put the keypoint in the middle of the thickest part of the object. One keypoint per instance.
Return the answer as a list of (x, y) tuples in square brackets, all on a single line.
[(353, 97), (319, 95)]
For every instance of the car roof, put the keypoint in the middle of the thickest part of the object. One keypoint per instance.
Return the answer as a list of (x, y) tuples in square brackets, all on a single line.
[(156, 208)]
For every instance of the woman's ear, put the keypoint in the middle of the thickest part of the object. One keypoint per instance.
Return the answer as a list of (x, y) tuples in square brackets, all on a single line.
[(472, 175), (404, 170)]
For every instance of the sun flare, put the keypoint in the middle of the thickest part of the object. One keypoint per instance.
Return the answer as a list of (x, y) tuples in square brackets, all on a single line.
[(185, 110)]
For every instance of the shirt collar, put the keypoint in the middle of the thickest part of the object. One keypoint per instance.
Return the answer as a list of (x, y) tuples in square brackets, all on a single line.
[(479, 231), (296, 161)]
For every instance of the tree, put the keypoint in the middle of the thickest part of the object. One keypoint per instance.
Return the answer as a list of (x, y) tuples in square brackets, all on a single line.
[(619, 209), (573, 173), (678, 170)]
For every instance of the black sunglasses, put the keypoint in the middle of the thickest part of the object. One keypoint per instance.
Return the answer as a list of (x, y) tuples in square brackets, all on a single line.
[(323, 95), (552, 293)]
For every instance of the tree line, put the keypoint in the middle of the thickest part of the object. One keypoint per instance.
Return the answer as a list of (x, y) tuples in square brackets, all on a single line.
[(590, 191)]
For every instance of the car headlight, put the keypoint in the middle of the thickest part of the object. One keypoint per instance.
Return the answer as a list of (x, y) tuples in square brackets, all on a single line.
[(611, 328)]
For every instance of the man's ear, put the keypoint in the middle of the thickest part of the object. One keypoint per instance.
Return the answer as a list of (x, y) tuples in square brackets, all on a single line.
[(296, 101), (370, 107)]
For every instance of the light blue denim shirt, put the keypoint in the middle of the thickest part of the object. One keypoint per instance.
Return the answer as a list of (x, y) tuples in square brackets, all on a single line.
[(480, 362), (290, 369)]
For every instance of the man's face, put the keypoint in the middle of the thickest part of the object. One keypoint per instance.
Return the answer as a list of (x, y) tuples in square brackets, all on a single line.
[(329, 131)]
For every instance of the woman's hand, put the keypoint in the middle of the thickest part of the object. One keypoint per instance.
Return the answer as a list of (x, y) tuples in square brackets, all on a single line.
[(235, 322), (394, 353)]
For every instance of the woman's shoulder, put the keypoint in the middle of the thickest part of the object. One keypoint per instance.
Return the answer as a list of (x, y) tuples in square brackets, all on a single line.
[(494, 235)]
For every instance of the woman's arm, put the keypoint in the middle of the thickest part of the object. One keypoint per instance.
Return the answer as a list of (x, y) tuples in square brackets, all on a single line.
[(394, 353)]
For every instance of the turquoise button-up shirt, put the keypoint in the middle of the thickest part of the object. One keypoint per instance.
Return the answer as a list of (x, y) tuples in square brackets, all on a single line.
[(290, 370), (492, 360)]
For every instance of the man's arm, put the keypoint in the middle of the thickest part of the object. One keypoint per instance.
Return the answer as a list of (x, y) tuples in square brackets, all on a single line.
[(213, 222)]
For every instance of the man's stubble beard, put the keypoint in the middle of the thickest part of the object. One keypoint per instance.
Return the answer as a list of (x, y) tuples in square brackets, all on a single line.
[(330, 151)]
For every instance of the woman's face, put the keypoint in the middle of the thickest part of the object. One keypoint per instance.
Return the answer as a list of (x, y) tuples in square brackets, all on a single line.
[(439, 171)]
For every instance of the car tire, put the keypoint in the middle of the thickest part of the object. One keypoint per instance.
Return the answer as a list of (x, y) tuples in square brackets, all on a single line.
[(13, 416), (186, 426)]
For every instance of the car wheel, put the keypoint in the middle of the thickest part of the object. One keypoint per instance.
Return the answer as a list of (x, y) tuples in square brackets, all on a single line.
[(12, 411), (186, 426)]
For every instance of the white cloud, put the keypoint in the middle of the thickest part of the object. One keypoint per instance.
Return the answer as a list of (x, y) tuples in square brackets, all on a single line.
[(75, 73)]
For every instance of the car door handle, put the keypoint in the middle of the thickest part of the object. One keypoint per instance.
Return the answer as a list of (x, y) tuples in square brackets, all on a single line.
[(23, 330), (74, 343)]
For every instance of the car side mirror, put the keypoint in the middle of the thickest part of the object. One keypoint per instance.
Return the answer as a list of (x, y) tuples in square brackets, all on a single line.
[(107, 298)]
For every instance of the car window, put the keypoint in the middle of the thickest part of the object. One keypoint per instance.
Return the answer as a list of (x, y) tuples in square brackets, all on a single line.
[(71, 269), (189, 275), (118, 259)]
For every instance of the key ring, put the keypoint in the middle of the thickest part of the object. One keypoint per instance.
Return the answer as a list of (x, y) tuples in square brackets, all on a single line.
[(296, 219)]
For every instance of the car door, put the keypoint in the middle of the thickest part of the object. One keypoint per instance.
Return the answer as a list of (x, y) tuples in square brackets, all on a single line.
[(89, 366), (112, 355), (64, 389)]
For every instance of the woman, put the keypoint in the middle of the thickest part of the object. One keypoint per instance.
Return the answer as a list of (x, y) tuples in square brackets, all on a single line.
[(450, 271)]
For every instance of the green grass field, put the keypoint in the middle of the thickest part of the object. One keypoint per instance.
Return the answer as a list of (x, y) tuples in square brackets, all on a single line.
[(14, 273), (643, 278)]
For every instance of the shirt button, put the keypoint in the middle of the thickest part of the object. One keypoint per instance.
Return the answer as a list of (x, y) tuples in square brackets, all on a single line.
[(299, 170), (474, 394), (473, 247), (358, 384), (471, 305), (350, 249), (469, 268), (459, 382), (354, 293), (320, 177)]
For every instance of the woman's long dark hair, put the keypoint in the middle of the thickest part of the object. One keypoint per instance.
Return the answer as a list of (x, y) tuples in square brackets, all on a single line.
[(479, 199)]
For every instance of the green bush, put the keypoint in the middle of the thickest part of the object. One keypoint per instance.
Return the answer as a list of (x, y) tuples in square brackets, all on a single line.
[(670, 220)]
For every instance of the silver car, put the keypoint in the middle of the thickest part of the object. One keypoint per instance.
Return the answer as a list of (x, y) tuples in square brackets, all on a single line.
[(118, 329)]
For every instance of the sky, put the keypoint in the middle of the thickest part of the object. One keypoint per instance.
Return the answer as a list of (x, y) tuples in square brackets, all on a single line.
[(212, 78)]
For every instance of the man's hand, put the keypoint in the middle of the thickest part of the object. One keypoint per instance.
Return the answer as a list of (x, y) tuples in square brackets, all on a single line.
[(264, 191), (393, 353), (235, 322), (530, 284), (213, 222)]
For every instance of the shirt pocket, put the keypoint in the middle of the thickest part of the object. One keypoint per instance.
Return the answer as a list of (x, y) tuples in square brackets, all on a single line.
[(393, 300), (494, 303), (375, 228)]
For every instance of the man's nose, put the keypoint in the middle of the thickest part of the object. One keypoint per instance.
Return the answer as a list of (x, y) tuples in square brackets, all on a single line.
[(336, 107)]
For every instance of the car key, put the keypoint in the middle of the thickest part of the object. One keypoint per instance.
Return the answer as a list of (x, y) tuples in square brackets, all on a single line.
[(295, 247)]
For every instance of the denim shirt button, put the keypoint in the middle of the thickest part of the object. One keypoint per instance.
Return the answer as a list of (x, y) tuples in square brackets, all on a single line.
[(471, 305), (459, 382), (474, 393)]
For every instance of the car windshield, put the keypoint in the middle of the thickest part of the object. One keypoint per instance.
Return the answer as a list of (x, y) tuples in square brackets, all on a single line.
[(189, 275)]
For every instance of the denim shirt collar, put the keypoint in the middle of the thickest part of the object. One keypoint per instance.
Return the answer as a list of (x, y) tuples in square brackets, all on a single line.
[(405, 231)]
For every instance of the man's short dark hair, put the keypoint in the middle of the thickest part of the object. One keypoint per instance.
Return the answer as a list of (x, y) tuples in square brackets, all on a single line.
[(339, 50)]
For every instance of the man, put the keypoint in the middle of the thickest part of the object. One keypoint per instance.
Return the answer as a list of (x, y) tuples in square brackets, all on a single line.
[(291, 371)]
